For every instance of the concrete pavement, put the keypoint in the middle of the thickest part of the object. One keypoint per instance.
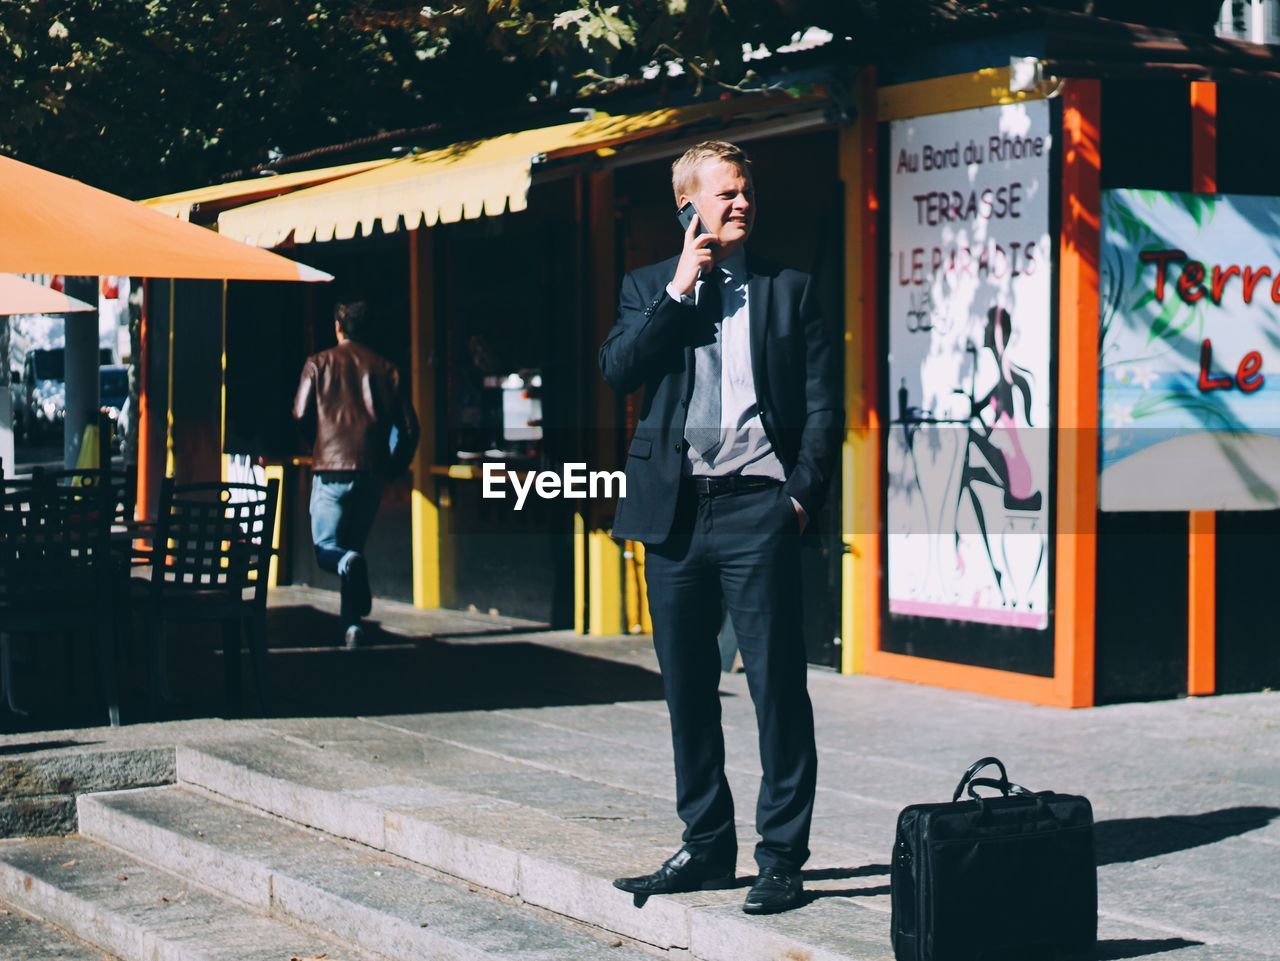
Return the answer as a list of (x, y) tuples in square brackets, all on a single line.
[(534, 768)]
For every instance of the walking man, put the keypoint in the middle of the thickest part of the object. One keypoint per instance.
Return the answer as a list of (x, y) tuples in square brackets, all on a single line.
[(732, 455), (353, 407)]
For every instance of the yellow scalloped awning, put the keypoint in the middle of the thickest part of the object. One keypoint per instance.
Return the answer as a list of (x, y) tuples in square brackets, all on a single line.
[(463, 181), (182, 203)]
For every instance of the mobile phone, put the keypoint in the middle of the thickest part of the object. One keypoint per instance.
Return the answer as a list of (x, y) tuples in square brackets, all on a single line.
[(685, 216)]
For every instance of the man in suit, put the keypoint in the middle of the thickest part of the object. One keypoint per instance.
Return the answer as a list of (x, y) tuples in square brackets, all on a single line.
[(732, 455)]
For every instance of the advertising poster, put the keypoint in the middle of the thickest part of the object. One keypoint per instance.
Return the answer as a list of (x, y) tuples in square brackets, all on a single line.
[(1189, 346), (969, 345)]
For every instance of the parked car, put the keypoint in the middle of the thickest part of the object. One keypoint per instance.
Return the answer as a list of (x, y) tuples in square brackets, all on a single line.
[(113, 382), (42, 403), (15, 399)]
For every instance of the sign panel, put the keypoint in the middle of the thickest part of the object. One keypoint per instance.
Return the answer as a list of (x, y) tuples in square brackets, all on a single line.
[(1189, 343), (969, 344)]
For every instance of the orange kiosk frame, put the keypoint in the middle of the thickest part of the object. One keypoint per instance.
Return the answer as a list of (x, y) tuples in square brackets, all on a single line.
[(1072, 683)]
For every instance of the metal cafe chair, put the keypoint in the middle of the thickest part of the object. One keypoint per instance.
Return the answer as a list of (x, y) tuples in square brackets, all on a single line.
[(56, 574), (122, 480), (121, 489), (210, 557)]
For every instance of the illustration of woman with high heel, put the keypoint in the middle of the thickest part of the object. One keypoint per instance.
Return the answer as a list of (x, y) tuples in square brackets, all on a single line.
[(993, 434)]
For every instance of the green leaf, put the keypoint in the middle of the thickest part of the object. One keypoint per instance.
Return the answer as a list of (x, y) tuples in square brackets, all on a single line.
[(568, 18), (1142, 301), (1193, 207), (1167, 316), (1186, 322)]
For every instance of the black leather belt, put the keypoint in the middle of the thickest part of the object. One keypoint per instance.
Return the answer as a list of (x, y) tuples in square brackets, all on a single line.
[(715, 486)]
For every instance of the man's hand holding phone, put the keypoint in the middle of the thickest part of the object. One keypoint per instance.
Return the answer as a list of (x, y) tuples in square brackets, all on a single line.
[(695, 260)]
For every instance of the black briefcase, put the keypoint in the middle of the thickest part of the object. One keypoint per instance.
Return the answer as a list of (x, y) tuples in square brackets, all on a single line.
[(1011, 876)]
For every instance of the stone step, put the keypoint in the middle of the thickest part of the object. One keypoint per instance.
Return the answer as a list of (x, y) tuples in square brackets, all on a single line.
[(141, 913), (38, 790), (24, 938), (379, 901), (548, 862), (42, 772)]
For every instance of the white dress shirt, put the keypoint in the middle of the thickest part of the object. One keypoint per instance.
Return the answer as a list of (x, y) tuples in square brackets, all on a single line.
[(745, 448)]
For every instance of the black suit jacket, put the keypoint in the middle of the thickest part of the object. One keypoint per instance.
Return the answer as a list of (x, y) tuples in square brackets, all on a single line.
[(794, 361)]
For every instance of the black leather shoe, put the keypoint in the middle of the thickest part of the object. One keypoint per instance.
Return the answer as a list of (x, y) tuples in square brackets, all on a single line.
[(681, 872), (775, 890)]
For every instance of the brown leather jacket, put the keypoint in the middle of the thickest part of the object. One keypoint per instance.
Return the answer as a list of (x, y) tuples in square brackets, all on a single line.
[(348, 400)]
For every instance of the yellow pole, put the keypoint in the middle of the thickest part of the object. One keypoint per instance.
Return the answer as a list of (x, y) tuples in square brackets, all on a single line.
[(425, 513), (606, 601)]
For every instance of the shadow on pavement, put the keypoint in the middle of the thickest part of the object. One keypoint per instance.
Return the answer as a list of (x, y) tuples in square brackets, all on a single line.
[(816, 894), (302, 625), (27, 747), (1133, 839), (312, 675), (438, 676), (1117, 948), (839, 874)]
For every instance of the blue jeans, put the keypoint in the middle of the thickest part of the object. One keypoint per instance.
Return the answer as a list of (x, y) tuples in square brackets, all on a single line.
[(342, 511)]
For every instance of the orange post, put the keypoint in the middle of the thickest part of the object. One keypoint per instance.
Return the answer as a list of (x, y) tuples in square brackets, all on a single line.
[(860, 454), (143, 415), (1201, 525), (1077, 495), (1201, 603), (1204, 137), (868, 536)]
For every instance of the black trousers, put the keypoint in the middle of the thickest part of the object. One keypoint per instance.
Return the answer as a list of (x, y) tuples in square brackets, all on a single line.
[(741, 547)]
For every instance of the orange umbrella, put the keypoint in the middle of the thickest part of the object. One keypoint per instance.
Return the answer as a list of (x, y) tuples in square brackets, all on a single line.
[(18, 296), (55, 225)]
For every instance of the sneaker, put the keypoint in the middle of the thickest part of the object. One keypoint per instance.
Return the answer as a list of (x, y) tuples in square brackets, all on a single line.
[(355, 586), (351, 640)]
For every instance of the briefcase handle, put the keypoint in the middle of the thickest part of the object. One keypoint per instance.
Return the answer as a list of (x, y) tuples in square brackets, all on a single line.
[(1006, 788), (977, 766)]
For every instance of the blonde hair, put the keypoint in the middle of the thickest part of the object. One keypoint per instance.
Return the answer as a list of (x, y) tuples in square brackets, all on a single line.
[(684, 172)]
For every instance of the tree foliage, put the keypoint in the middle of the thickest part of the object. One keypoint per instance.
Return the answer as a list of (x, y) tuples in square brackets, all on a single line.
[(148, 96), (145, 96)]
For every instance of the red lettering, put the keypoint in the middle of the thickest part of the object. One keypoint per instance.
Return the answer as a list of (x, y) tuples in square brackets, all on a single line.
[(1191, 282), (1205, 382), (1247, 377), (1001, 262), (1220, 278), (1161, 259), (917, 265), (1251, 278)]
